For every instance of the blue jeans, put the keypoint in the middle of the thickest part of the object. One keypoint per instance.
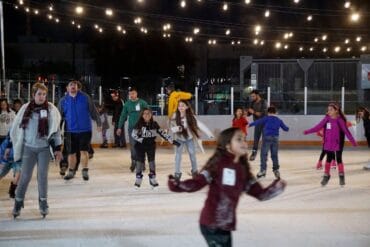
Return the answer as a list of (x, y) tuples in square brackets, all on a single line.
[(258, 130), (191, 150), (270, 143)]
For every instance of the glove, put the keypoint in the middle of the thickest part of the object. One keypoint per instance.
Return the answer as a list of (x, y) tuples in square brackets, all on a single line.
[(274, 189), (176, 143)]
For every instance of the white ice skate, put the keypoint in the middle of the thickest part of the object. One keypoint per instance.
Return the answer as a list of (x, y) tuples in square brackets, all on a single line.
[(153, 183)]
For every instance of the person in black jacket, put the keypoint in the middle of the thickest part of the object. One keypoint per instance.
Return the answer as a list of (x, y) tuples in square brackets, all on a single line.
[(364, 114), (119, 140)]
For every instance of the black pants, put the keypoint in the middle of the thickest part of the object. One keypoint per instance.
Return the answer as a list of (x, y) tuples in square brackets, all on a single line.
[(337, 155), (142, 148), (216, 237), (119, 141)]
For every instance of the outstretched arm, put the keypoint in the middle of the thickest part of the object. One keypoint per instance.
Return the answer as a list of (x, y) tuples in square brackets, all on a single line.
[(318, 127), (343, 127), (190, 185), (256, 190)]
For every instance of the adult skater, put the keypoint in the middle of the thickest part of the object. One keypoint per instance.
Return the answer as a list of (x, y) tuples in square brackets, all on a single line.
[(363, 113)]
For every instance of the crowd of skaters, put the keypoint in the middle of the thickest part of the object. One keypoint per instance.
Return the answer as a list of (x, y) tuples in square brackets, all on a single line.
[(30, 131)]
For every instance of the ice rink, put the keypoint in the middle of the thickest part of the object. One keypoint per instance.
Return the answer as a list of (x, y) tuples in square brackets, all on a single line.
[(108, 211)]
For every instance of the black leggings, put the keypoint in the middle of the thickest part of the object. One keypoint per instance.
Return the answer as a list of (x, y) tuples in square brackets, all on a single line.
[(216, 237), (334, 155)]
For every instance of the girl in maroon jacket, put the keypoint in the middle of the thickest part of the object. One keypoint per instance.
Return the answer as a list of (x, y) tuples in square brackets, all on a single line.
[(228, 174)]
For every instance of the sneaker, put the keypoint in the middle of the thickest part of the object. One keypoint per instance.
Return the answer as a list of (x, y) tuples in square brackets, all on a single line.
[(138, 181), (253, 155), (12, 189), (18, 205), (153, 182), (277, 174), (85, 174), (43, 207), (71, 174), (261, 174), (319, 165), (341, 179), (325, 179)]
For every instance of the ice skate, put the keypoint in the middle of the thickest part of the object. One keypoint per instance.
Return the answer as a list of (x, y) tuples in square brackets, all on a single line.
[(153, 182), (85, 174), (253, 155), (325, 179), (104, 145), (71, 174), (261, 174), (63, 168), (342, 181), (177, 176), (12, 189), (367, 167), (43, 207), (138, 182), (18, 205), (277, 174)]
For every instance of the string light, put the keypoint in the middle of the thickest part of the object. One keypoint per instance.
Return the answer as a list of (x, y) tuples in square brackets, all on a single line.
[(324, 49), (296, 1), (316, 40), (337, 49), (324, 37), (109, 12), (262, 42), (188, 39), (20, 2), (50, 16), (355, 17), (227, 32), (257, 29), (347, 4), (119, 28), (277, 45), (57, 20), (247, 1), (36, 12), (346, 41), (137, 20), (16, 6), (96, 26), (348, 49), (79, 26), (255, 41), (79, 10), (309, 18), (225, 7), (311, 49), (183, 3), (239, 42), (267, 13), (27, 9), (196, 30), (232, 42), (363, 48), (212, 42), (301, 48), (358, 39), (286, 47), (100, 30), (51, 7)]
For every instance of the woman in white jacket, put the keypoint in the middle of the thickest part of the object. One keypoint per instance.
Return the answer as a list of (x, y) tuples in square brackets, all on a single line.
[(185, 127), (7, 116), (35, 129)]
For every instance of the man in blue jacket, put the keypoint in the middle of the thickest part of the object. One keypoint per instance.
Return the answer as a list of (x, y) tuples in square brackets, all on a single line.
[(77, 110)]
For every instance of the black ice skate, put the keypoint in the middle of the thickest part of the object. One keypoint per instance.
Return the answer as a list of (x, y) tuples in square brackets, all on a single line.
[(178, 176), (253, 155), (277, 174), (85, 174), (17, 208), (71, 174), (43, 207), (325, 179), (63, 168), (342, 182), (153, 182)]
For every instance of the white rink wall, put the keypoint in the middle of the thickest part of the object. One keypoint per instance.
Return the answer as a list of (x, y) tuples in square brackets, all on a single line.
[(296, 123)]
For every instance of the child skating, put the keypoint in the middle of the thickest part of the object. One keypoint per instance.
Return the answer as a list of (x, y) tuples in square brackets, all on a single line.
[(240, 121), (145, 133), (333, 123), (270, 140), (185, 127), (227, 173)]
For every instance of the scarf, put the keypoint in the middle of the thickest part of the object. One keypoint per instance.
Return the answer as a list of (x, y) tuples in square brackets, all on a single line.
[(43, 126)]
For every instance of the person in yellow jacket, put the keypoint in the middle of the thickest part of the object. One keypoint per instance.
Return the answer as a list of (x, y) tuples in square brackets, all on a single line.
[(173, 99)]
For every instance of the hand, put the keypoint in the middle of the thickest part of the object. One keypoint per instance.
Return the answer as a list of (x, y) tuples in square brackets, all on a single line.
[(176, 143), (6, 153), (118, 132), (58, 155), (305, 132)]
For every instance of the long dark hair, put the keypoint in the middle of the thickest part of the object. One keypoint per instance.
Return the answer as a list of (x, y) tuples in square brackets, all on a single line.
[(236, 110), (7, 104), (189, 115), (362, 109), (141, 122), (336, 106), (223, 140)]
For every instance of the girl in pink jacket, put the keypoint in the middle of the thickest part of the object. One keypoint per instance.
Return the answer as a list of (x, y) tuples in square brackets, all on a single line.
[(334, 125)]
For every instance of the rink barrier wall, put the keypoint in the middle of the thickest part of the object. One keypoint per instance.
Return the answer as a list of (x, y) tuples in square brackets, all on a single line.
[(216, 123)]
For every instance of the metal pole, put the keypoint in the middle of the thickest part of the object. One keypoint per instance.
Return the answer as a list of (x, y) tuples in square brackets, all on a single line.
[(2, 44), (268, 96), (100, 95), (29, 91), (343, 94), (232, 100), (162, 101), (196, 100), (53, 94), (305, 100), (19, 90)]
